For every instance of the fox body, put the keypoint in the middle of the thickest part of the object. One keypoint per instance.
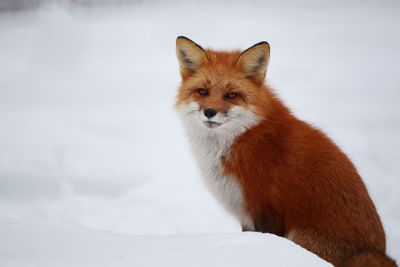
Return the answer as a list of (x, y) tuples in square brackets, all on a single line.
[(274, 172)]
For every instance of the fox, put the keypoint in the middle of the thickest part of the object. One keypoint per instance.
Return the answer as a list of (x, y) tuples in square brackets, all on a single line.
[(272, 171)]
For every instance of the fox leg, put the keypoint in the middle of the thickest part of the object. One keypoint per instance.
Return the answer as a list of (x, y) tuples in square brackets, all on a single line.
[(266, 224), (245, 228), (269, 223)]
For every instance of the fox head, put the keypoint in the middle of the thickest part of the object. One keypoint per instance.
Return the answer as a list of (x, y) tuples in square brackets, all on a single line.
[(222, 91)]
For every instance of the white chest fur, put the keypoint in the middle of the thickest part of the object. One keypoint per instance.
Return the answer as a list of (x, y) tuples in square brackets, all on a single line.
[(209, 145)]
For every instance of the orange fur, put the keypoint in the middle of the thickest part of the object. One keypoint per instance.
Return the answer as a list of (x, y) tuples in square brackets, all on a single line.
[(295, 181)]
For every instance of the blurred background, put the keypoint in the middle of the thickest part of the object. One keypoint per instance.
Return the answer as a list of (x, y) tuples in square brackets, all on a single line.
[(88, 134)]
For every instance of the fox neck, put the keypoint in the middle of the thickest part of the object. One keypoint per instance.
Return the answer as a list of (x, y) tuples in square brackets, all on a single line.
[(210, 147)]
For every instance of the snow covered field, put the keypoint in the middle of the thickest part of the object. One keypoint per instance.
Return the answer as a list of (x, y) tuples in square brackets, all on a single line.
[(89, 139), (44, 244)]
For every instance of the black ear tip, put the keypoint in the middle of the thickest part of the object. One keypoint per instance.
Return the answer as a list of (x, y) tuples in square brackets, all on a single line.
[(257, 44), (263, 43), (183, 37)]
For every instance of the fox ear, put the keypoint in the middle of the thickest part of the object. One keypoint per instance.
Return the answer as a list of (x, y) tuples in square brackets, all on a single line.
[(190, 55), (254, 61)]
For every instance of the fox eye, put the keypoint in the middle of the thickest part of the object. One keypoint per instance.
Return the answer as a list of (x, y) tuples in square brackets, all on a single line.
[(202, 91), (230, 95)]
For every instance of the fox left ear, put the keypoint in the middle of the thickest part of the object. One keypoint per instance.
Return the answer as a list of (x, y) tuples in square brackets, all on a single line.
[(254, 61), (191, 56)]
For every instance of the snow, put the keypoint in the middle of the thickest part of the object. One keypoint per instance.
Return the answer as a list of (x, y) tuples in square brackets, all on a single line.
[(41, 244), (89, 138)]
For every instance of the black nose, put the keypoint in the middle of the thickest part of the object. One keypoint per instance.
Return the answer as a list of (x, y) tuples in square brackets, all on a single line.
[(210, 112)]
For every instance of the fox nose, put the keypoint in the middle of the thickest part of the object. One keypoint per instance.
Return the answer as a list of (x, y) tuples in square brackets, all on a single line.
[(209, 113)]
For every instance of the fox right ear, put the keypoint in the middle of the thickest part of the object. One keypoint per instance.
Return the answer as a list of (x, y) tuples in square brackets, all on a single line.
[(254, 61), (190, 55)]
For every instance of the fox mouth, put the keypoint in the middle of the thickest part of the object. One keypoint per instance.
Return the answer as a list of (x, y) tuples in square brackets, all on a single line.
[(211, 124)]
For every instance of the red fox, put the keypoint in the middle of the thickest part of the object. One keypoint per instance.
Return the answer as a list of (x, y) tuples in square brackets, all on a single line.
[(274, 172)]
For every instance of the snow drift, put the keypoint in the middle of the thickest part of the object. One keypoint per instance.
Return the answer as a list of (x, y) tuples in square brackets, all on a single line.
[(38, 244)]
